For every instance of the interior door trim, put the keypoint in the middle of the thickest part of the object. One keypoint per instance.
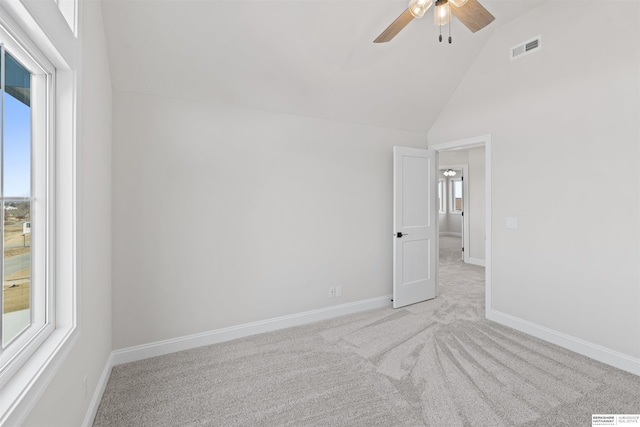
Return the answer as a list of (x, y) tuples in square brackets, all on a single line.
[(478, 141)]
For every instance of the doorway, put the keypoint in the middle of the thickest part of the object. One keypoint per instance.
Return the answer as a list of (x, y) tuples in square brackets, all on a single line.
[(453, 201), (479, 242)]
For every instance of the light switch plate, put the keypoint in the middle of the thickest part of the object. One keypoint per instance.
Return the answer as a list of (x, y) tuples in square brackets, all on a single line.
[(512, 222)]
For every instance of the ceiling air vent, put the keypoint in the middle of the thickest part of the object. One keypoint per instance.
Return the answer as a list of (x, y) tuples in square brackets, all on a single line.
[(525, 48)]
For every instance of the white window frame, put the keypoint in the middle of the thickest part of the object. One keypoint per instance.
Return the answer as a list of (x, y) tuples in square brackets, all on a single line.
[(18, 350), (40, 28)]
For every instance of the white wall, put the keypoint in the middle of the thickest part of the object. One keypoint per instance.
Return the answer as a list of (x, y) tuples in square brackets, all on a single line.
[(561, 120), (64, 402), (457, 157), (476, 186), (224, 216)]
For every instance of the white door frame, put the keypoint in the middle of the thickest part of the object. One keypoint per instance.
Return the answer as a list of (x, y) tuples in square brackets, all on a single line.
[(479, 141)]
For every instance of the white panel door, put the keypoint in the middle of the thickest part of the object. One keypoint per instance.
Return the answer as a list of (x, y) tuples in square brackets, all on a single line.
[(415, 219)]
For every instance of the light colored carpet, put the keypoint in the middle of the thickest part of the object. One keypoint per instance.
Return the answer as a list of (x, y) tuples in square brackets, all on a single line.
[(437, 363)]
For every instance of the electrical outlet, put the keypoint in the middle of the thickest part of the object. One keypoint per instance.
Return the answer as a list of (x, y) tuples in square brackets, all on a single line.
[(332, 292), (338, 291)]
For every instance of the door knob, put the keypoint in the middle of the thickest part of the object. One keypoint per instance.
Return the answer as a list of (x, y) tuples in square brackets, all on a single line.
[(399, 234)]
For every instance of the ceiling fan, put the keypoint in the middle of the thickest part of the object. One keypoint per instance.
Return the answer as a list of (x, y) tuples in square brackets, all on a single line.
[(471, 13)]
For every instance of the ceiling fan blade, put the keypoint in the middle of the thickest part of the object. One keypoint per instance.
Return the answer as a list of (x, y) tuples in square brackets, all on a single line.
[(473, 15), (395, 27)]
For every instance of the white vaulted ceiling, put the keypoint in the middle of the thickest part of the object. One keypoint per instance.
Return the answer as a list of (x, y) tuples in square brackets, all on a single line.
[(304, 57)]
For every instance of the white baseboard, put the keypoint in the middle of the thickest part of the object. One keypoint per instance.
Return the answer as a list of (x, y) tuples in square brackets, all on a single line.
[(98, 392), (593, 351), (450, 233), (476, 261), (160, 348)]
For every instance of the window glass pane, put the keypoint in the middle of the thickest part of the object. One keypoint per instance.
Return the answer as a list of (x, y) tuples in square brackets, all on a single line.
[(17, 130), (16, 284), (457, 195), (18, 80), (16, 192)]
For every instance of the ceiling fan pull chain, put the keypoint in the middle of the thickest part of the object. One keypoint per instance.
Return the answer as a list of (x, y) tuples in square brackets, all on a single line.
[(449, 32), (440, 38)]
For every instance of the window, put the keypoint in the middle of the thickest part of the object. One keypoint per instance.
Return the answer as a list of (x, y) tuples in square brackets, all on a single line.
[(441, 196), (39, 115), (455, 195), (15, 175), (25, 85)]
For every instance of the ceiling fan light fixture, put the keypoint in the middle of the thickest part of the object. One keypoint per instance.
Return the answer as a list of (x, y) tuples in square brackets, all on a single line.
[(441, 14), (419, 7), (458, 3)]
